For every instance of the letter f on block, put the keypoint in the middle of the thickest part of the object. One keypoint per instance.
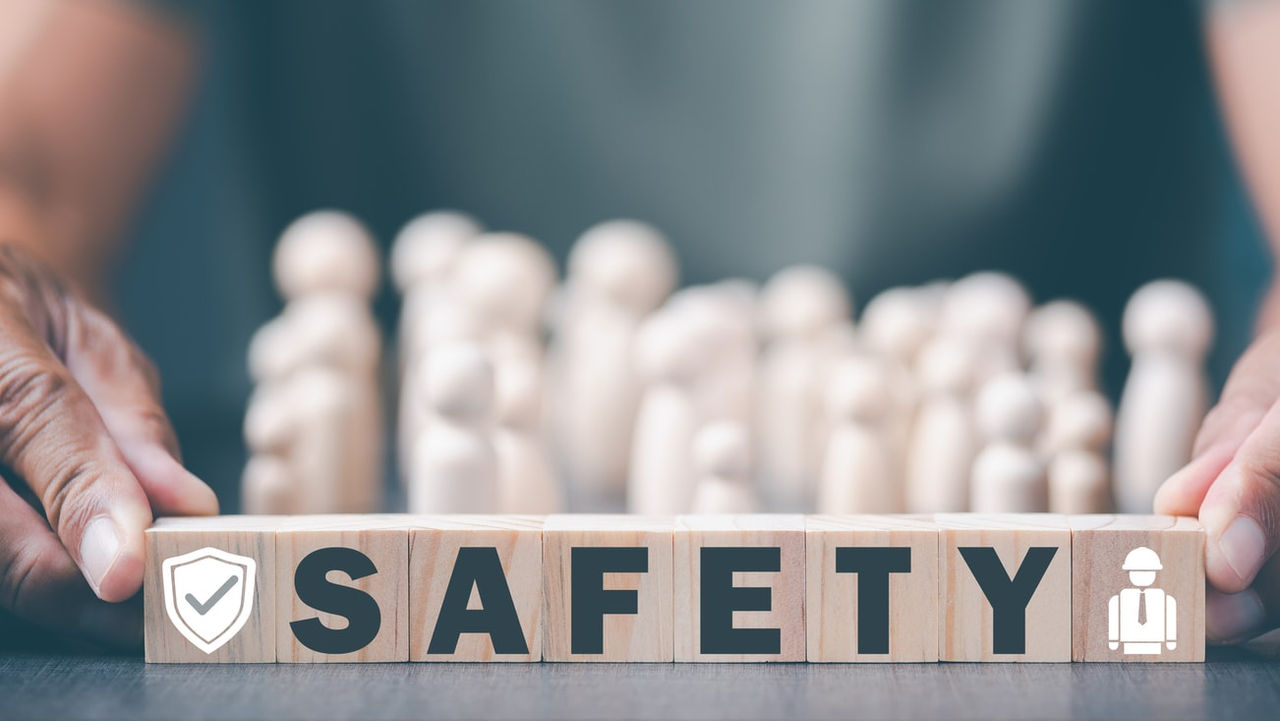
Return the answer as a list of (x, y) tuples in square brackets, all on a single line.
[(591, 601)]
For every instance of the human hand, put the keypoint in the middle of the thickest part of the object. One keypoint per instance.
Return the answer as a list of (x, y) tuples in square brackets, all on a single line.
[(82, 432), (1233, 485)]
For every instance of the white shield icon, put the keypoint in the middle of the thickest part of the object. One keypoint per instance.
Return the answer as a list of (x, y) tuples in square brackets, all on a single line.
[(208, 595)]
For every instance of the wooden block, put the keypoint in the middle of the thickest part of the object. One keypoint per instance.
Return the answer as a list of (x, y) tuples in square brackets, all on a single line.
[(739, 587), (1021, 608), (208, 590), (1107, 598), (607, 588), (343, 589), (872, 588), (476, 588)]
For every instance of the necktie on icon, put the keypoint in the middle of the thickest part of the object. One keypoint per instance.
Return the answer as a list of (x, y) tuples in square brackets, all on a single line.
[(1142, 607)]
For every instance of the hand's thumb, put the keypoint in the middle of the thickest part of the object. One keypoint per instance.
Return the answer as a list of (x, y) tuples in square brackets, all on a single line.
[(1241, 510)]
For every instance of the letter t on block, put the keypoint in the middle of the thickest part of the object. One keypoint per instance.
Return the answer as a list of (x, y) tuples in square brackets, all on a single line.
[(1006, 587), (872, 588), (607, 588)]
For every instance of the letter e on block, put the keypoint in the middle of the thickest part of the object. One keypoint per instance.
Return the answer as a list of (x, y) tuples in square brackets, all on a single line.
[(739, 588)]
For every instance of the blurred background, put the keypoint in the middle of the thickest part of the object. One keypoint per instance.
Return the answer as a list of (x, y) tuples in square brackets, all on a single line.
[(1074, 144)]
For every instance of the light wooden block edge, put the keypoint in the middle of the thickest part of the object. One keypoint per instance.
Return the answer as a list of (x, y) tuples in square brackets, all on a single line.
[(354, 522)]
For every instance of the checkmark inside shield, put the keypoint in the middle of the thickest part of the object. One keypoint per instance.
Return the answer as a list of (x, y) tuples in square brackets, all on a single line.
[(203, 608)]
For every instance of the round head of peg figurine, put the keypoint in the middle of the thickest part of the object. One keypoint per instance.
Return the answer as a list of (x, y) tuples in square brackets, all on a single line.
[(267, 486), (713, 318), (626, 261), (722, 450), (326, 251), (842, 339), (505, 279), (271, 354), (668, 347), (1168, 316), (1009, 409), (459, 383), (1081, 420), (897, 322), (739, 293), (518, 391), (269, 419), (334, 330), (426, 247), (858, 391), (1063, 332), (986, 307), (801, 302), (445, 319), (946, 367), (730, 306)]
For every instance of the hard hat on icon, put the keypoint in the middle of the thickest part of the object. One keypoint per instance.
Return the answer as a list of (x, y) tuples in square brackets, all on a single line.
[(1142, 559)]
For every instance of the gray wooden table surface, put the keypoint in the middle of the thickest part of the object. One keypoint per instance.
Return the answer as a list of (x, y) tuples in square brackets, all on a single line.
[(1229, 686)]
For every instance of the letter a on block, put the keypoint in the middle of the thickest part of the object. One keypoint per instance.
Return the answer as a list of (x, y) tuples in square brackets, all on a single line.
[(1006, 587), (476, 588)]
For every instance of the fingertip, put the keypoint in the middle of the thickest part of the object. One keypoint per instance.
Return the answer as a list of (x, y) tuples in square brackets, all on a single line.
[(1183, 492), (124, 579), (1235, 554), (170, 487), (111, 557), (1169, 496)]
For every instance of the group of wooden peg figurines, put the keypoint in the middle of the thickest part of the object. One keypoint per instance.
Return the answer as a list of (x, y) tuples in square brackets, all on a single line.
[(612, 389)]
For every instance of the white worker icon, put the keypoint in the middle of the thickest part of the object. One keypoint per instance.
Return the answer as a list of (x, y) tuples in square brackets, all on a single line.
[(1143, 619)]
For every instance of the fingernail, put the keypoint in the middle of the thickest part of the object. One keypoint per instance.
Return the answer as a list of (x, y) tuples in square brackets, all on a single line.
[(1243, 545), (1232, 617), (99, 547)]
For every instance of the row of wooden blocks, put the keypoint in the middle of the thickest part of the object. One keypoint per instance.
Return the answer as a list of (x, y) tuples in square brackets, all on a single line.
[(950, 587)]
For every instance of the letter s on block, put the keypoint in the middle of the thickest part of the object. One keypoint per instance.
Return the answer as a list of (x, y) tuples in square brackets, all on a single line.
[(359, 608)]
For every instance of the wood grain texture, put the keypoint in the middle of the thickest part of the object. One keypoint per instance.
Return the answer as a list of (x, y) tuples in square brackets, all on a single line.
[(966, 628), (644, 636), (766, 532), (434, 544), (831, 602), (1100, 544), (384, 540), (249, 536)]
